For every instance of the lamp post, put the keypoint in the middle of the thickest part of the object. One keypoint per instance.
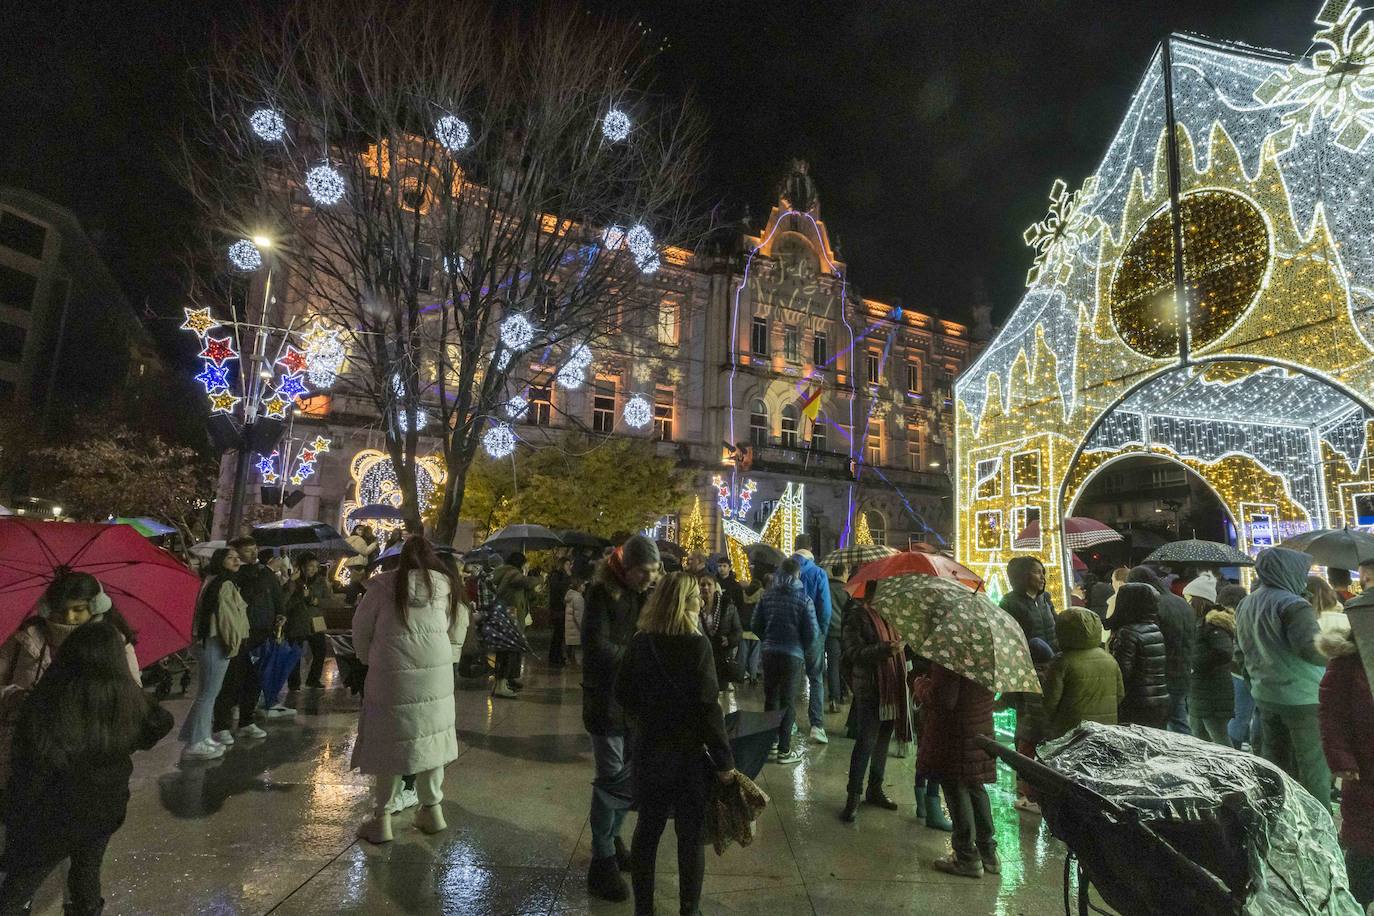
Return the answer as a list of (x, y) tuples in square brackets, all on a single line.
[(254, 370)]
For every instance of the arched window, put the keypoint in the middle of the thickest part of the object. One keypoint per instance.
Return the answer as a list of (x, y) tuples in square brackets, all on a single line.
[(818, 433), (877, 526), (758, 423), (789, 426)]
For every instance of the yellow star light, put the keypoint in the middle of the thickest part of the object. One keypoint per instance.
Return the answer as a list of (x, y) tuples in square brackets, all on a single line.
[(276, 407), (198, 320), (320, 445), (223, 401), (317, 334), (270, 477), (297, 479)]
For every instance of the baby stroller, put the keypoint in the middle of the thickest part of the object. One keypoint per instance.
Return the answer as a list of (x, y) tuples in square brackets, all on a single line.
[(162, 674)]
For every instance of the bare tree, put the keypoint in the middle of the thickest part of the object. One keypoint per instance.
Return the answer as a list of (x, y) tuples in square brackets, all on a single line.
[(489, 216)]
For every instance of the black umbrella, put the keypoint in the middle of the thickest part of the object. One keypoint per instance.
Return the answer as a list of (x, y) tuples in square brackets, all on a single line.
[(1200, 553), (764, 554), (394, 550), (295, 534), (1339, 547), (752, 736), (379, 511), (523, 538), (581, 539)]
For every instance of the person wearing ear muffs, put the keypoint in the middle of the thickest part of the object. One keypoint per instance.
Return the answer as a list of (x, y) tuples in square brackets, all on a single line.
[(73, 599)]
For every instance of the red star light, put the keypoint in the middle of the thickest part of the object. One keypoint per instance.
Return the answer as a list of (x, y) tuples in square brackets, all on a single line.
[(294, 361), (219, 350)]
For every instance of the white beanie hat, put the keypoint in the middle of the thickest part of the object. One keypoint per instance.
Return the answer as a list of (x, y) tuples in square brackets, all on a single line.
[(1204, 586)]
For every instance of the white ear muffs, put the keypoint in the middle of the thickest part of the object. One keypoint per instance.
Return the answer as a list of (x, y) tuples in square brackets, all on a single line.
[(101, 603)]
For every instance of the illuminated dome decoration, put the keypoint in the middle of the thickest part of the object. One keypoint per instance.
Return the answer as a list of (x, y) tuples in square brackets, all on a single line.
[(616, 125), (1266, 395), (517, 333), (375, 483), (641, 243), (499, 441), (244, 255), (452, 133), (324, 353), (267, 124), (638, 411), (325, 185)]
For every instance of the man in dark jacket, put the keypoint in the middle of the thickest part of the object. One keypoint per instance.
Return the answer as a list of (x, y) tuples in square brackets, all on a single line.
[(261, 591), (614, 600), (1178, 623), (1027, 602), (836, 691), (730, 586), (1138, 647)]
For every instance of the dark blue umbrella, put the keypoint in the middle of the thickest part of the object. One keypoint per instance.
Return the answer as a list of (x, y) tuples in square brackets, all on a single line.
[(276, 659), (499, 633), (752, 736), (377, 511)]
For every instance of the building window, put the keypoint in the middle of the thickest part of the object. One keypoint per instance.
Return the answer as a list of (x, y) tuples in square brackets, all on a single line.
[(424, 273), (913, 377), (22, 235), (820, 349), (758, 336), (541, 406), (663, 414), (791, 343), (789, 426), (914, 457), (877, 526), (667, 323), (874, 451), (758, 423), (603, 406), (871, 368), (17, 288), (818, 433)]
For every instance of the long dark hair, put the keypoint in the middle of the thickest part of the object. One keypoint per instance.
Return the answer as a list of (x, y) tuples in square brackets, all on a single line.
[(86, 705), (417, 555), (79, 586)]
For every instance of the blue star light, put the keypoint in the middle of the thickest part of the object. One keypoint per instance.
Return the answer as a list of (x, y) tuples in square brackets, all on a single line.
[(213, 376), (267, 463), (291, 387)]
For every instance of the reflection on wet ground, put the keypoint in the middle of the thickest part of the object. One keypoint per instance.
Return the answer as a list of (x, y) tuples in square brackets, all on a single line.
[(269, 827)]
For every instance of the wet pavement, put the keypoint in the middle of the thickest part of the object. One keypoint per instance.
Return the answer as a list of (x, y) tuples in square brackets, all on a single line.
[(269, 828)]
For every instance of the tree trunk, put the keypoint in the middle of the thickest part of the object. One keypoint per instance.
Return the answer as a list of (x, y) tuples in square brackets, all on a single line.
[(446, 528)]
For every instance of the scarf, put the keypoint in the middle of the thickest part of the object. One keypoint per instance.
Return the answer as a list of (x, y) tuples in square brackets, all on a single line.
[(616, 564), (892, 698)]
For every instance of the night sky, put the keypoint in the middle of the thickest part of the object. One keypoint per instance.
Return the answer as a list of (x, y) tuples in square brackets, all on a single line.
[(933, 130)]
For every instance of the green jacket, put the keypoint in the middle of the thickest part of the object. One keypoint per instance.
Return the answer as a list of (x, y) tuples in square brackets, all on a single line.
[(1083, 683), (515, 590)]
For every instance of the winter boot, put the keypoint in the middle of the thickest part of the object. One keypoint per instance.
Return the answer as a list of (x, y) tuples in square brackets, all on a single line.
[(430, 819), (376, 829), (936, 819), (622, 855), (851, 808), (953, 865), (921, 803), (71, 909), (604, 881), (878, 798)]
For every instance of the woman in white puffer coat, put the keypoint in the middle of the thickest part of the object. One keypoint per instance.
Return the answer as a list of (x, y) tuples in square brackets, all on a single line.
[(409, 630)]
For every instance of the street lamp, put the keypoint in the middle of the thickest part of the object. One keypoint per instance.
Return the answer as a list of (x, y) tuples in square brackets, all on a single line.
[(56, 511)]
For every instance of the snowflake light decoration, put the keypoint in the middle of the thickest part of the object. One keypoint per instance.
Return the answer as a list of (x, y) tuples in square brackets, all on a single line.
[(517, 333), (199, 321), (641, 243), (245, 256), (452, 133), (325, 185), (638, 411), (515, 408), (1337, 86), (499, 441), (268, 124), (1056, 237), (616, 125)]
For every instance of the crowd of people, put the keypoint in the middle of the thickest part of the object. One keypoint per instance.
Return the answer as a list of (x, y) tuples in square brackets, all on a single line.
[(1275, 670)]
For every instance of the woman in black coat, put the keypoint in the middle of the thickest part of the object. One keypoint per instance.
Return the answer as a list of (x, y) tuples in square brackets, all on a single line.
[(720, 624), (1137, 644), (667, 684)]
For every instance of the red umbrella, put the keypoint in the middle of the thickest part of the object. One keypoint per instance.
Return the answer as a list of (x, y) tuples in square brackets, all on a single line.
[(924, 562), (1079, 534), (149, 586)]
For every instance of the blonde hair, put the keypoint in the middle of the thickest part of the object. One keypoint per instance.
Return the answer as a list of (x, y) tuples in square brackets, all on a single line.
[(1322, 595), (669, 610)]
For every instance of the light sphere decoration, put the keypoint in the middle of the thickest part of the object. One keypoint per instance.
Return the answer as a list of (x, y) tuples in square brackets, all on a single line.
[(571, 377), (612, 237), (325, 185), (616, 125), (517, 332), (499, 441), (324, 359), (452, 133), (268, 124), (641, 243), (581, 356), (245, 256), (515, 408), (638, 411)]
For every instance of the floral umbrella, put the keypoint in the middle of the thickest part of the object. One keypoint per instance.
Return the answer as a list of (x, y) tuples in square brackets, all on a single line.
[(961, 629)]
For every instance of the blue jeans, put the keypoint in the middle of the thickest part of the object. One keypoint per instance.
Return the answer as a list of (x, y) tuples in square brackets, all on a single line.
[(211, 664), (612, 792), (781, 673), (751, 656), (1239, 727), (1178, 712), (815, 679), (834, 679)]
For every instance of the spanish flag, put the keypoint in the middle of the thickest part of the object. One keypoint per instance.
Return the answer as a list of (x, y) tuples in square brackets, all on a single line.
[(811, 404)]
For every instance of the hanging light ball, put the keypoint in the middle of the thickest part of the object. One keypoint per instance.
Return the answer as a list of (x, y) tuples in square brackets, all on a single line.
[(452, 133), (638, 411), (616, 125), (244, 255), (613, 237), (516, 407), (571, 377), (499, 441), (324, 357), (268, 124), (517, 332), (325, 185), (581, 356), (641, 243)]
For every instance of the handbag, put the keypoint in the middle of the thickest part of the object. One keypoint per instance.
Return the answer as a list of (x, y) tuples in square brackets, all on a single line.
[(317, 625)]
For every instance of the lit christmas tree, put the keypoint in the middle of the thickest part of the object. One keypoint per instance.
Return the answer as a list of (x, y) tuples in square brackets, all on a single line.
[(693, 536), (862, 536)]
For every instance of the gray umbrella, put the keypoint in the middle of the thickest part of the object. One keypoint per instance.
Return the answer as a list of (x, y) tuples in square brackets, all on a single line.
[(1200, 553), (1339, 547), (523, 538)]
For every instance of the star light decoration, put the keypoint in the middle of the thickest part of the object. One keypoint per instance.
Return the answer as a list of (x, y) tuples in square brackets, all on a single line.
[(499, 440), (223, 401), (325, 185), (275, 407), (1336, 86), (212, 377), (219, 350), (268, 124), (267, 467), (293, 361), (615, 126), (1056, 238), (198, 321), (452, 133), (245, 256), (638, 411), (742, 501), (291, 387)]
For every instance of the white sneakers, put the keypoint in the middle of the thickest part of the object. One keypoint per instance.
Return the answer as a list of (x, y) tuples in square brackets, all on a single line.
[(791, 757), (251, 731), (279, 712), (225, 737), (818, 735), (376, 829), (406, 798), (504, 691), (208, 749)]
